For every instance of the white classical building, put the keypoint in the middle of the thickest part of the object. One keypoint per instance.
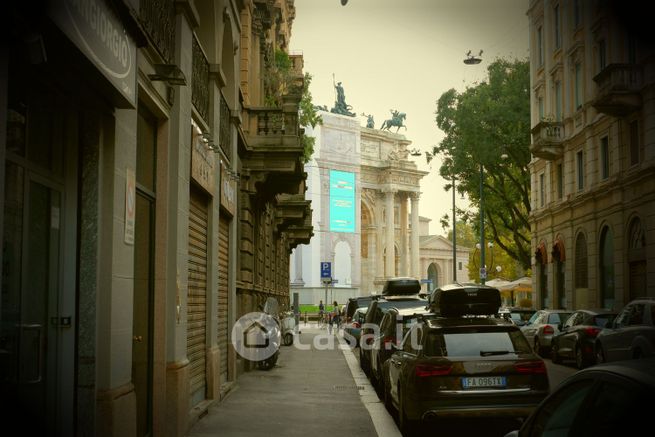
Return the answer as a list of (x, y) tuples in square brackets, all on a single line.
[(364, 193)]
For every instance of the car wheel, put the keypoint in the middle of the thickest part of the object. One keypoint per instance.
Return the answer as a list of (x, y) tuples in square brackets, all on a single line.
[(600, 355), (288, 339), (637, 354), (580, 362), (555, 357)]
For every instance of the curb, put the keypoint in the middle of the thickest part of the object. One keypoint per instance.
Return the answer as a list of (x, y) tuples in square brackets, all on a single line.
[(384, 424)]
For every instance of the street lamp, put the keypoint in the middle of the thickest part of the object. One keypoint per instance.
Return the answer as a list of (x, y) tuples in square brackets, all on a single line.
[(428, 157), (483, 269), (454, 236)]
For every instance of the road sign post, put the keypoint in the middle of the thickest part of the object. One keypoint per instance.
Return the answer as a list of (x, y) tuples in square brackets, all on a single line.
[(326, 277)]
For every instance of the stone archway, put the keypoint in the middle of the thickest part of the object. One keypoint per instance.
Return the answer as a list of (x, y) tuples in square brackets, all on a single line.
[(433, 275)]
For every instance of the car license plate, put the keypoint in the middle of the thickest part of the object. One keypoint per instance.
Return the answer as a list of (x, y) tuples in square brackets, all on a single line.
[(484, 382)]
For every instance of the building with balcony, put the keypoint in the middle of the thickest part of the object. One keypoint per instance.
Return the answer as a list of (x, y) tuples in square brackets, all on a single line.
[(592, 75), (151, 194)]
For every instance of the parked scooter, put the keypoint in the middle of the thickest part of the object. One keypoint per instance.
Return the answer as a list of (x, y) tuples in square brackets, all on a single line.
[(289, 327), (270, 308)]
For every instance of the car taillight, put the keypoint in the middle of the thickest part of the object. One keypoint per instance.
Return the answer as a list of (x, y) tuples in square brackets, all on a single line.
[(356, 325), (531, 367), (548, 330), (591, 331), (433, 370)]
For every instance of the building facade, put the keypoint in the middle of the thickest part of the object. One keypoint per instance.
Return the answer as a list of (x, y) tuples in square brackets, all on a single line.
[(365, 197), (593, 168), (139, 219)]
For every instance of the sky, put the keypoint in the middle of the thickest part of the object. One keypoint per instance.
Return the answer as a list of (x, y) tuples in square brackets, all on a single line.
[(402, 55)]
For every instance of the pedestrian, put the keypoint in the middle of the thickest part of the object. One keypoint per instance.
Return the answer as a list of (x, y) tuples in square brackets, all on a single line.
[(335, 317), (321, 313)]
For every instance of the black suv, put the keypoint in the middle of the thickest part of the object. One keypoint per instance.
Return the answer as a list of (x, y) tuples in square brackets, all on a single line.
[(393, 327), (407, 290), (354, 303), (464, 367)]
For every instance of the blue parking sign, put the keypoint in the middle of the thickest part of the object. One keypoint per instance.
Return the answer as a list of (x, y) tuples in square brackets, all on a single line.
[(326, 270)]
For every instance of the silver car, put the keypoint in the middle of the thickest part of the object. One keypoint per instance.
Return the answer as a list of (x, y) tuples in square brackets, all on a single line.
[(631, 335), (541, 328)]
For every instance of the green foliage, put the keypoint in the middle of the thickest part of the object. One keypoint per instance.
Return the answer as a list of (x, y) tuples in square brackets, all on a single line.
[(277, 77), (308, 116), (481, 124)]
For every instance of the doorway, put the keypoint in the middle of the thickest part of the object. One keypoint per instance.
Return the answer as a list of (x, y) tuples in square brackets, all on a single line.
[(39, 263), (144, 254)]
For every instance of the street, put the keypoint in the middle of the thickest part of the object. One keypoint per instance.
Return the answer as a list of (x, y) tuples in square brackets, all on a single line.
[(317, 389)]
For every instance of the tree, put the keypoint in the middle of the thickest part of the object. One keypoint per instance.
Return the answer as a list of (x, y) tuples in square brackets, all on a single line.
[(308, 116), (481, 124)]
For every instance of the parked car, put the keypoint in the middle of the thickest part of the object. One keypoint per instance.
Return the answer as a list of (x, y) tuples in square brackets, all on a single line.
[(354, 303), (541, 328), (517, 315), (578, 335), (374, 314), (394, 325), (464, 367), (352, 329), (631, 335), (606, 400), (398, 292)]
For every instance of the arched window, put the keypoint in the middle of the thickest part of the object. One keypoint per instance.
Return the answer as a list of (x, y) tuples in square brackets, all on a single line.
[(581, 273), (342, 264), (559, 257), (433, 274), (606, 268), (541, 256), (637, 259)]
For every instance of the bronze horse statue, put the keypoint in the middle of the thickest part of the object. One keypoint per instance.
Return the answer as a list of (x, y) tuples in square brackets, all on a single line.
[(396, 120)]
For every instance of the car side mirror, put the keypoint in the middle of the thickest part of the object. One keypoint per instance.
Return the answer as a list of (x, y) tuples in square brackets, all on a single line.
[(561, 327)]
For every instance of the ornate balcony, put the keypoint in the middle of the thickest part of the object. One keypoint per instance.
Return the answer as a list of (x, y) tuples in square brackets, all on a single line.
[(274, 148), (301, 233), (291, 210), (619, 89), (548, 140)]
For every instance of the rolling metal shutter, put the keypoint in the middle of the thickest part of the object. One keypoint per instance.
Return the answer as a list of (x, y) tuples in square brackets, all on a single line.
[(197, 297), (223, 252)]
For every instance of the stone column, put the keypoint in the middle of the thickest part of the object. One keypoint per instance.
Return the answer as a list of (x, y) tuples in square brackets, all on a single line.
[(404, 236), (379, 240), (389, 240), (416, 268), (298, 265)]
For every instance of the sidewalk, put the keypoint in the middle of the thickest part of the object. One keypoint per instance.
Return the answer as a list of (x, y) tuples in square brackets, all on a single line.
[(310, 393)]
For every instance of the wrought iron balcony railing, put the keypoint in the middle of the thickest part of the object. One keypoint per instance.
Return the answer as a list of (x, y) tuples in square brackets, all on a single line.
[(158, 19), (200, 80)]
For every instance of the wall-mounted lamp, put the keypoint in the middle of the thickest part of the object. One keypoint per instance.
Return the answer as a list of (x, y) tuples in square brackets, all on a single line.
[(169, 73)]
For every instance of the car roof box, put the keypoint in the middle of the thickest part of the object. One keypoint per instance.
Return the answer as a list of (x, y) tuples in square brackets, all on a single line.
[(401, 286), (454, 300)]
